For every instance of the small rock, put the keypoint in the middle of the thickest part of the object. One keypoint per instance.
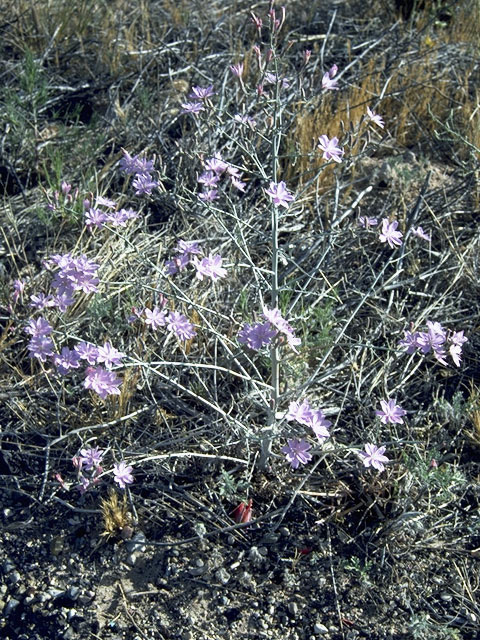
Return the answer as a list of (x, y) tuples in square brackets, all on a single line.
[(222, 576), (137, 543), (293, 608), (12, 604), (7, 566), (284, 531), (73, 592), (14, 577), (199, 562), (319, 629), (196, 571)]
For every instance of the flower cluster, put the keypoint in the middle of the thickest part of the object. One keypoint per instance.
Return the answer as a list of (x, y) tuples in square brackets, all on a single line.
[(435, 340), (214, 169), (176, 323), (261, 334), (207, 267), (199, 96), (63, 197), (141, 168), (297, 451), (100, 379), (95, 216), (88, 465), (75, 274)]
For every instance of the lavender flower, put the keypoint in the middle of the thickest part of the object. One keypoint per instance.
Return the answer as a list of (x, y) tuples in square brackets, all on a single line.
[(256, 336), (328, 83), (102, 381), (208, 196), (390, 412), (210, 267), (135, 164), (192, 107), (330, 148), (390, 234), (275, 318), (202, 93), (180, 326), (40, 347), (66, 360), (279, 194), (191, 247), (301, 412), (122, 474), (91, 458), (38, 327), (41, 301), (144, 184), (155, 318), (237, 69), (374, 117), (216, 164), (420, 233), (296, 452), (319, 425), (109, 355), (208, 179), (373, 456), (366, 222), (87, 351), (95, 218)]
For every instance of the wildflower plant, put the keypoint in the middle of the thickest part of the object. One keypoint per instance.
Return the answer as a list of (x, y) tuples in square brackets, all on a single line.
[(215, 322)]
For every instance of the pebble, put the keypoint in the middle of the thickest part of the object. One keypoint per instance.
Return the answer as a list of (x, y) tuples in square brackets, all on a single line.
[(293, 608), (14, 577), (12, 604), (319, 629), (137, 543), (222, 576), (196, 571)]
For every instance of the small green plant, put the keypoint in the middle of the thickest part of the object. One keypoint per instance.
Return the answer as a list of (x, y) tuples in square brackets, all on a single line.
[(359, 568), (229, 487), (423, 628)]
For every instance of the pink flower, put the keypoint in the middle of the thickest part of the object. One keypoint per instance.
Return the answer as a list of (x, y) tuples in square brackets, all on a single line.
[(279, 194), (328, 83), (102, 381), (237, 69), (192, 107), (296, 452), (420, 233), (390, 234), (109, 355), (123, 474), (374, 117), (390, 413), (155, 318), (210, 267), (330, 148), (373, 456)]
